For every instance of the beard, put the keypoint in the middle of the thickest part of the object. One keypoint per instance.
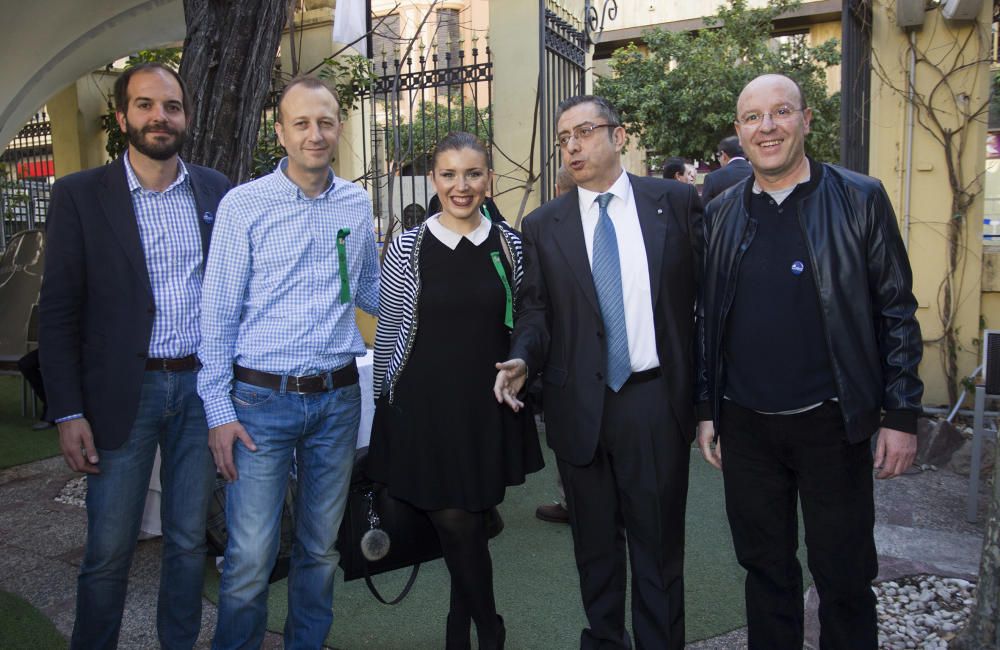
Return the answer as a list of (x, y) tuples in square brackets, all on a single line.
[(151, 147)]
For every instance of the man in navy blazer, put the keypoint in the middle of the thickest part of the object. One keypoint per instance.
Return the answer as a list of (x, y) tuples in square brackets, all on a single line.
[(607, 315), (118, 332), (734, 169)]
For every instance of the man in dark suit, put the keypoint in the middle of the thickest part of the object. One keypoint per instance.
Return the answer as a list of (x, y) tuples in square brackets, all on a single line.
[(734, 169), (607, 316), (118, 332)]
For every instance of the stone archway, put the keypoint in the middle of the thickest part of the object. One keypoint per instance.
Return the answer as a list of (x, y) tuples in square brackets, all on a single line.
[(49, 45)]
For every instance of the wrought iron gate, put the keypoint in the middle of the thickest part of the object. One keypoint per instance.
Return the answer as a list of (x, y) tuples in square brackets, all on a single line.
[(410, 106), (26, 175), (562, 70)]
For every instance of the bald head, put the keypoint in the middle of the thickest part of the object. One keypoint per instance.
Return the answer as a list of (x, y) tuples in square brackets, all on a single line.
[(772, 123), (768, 82)]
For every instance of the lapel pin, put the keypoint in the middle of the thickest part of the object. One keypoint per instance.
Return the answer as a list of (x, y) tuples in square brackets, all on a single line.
[(208, 217), (659, 211)]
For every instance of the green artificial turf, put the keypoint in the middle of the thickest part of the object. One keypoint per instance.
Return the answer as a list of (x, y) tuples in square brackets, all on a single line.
[(22, 627), (19, 443), (535, 579)]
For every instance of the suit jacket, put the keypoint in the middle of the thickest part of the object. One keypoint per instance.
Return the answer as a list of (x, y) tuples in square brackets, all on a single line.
[(560, 331), (722, 179), (96, 307)]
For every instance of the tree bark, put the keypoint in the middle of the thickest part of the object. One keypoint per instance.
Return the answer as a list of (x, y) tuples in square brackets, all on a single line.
[(229, 52), (983, 629)]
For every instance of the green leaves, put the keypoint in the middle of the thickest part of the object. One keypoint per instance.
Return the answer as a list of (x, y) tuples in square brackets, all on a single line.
[(678, 94)]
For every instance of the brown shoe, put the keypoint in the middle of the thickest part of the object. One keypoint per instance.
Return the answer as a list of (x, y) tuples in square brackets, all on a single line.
[(554, 512)]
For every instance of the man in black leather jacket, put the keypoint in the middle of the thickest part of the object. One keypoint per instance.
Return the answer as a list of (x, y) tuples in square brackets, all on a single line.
[(811, 347)]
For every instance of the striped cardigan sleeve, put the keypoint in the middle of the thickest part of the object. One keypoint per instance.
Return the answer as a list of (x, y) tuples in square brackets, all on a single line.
[(392, 310)]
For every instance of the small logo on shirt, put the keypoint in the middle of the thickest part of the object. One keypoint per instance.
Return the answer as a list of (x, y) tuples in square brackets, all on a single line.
[(798, 267)]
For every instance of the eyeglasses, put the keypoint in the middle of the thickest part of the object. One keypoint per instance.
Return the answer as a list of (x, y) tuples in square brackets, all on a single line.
[(780, 115), (582, 132)]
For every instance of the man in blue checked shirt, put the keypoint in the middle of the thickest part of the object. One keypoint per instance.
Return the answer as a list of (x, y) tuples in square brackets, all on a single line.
[(294, 252), (118, 333)]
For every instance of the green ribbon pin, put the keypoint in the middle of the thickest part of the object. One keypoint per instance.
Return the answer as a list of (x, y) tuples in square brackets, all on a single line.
[(345, 281), (508, 314)]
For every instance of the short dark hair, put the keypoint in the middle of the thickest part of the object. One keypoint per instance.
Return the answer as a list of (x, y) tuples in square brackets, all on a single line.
[(457, 140), (731, 146), (123, 80), (308, 81), (604, 108), (673, 166)]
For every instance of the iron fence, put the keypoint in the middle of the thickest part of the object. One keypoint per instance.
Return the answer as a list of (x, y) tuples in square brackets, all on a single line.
[(562, 66), (26, 174), (410, 105)]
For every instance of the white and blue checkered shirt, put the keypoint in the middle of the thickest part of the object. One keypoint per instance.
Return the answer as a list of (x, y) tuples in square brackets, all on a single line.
[(171, 242), (272, 287)]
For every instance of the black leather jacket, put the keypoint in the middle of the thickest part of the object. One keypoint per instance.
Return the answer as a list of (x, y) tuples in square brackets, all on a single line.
[(863, 281)]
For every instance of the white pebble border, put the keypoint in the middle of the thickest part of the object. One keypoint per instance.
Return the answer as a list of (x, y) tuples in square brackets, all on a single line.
[(74, 493), (922, 611)]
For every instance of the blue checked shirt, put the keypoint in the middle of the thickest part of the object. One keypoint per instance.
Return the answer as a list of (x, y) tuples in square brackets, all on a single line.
[(271, 297), (171, 242)]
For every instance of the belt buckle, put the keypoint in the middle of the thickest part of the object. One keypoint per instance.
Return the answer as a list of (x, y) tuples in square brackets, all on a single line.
[(298, 388)]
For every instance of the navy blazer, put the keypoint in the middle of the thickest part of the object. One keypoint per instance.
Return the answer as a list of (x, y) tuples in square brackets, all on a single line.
[(96, 306), (560, 329), (723, 178)]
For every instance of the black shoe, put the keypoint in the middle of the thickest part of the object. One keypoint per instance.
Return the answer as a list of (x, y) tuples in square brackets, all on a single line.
[(554, 512)]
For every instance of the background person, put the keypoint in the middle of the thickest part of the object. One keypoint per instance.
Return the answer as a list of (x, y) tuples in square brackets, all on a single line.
[(439, 441), (118, 332), (557, 512), (734, 169), (674, 168), (809, 315)]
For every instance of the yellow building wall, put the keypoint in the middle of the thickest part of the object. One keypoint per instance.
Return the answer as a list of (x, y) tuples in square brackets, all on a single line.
[(75, 113), (930, 205)]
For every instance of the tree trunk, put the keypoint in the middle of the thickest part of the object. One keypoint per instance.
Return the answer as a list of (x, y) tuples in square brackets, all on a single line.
[(983, 630), (228, 55)]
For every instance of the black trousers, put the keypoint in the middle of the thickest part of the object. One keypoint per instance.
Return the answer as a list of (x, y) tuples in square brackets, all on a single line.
[(769, 463), (633, 492)]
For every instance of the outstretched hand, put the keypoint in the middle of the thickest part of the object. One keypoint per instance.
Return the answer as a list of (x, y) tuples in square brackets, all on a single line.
[(510, 380)]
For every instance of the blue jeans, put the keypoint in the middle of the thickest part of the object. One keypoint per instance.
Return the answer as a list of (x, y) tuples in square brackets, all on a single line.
[(320, 430), (170, 414)]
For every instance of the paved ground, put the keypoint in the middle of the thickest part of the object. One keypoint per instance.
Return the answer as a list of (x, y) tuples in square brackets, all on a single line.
[(920, 527)]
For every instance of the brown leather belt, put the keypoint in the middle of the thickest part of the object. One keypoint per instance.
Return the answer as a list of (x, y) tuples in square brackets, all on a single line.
[(643, 376), (346, 376), (190, 362)]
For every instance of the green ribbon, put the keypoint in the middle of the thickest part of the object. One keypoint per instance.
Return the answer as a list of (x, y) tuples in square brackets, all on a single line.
[(486, 212), (508, 314), (345, 281)]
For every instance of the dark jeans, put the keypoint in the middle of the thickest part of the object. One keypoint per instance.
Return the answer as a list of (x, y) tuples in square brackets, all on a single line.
[(171, 415), (770, 462)]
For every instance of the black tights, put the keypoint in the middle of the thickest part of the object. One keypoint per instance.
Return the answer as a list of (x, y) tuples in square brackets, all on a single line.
[(465, 543)]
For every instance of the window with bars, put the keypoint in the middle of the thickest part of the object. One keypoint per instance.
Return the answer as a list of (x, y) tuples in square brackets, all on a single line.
[(448, 37)]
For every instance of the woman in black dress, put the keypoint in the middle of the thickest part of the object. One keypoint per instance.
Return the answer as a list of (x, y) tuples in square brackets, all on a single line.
[(441, 441)]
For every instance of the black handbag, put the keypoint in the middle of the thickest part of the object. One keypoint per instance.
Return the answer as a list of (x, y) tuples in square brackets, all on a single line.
[(392, 533)]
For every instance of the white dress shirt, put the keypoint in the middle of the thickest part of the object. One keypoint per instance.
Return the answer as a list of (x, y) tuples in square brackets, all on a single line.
[(634, 267)]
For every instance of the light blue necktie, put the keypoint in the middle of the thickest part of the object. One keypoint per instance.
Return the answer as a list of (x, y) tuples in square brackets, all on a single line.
[(607, 272)]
